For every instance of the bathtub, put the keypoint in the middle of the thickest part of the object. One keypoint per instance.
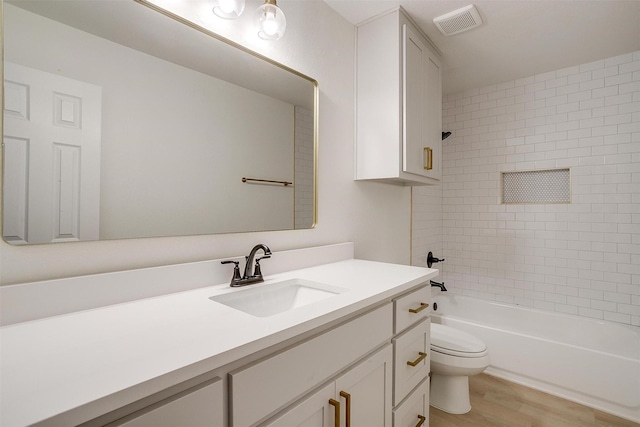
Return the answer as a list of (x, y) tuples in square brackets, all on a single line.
[(592, 362)]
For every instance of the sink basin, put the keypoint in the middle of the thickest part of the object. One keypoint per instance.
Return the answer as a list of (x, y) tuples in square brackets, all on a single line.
[(269, 299)]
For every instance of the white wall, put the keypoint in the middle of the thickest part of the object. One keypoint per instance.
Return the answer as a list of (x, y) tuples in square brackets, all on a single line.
[(581, 258), (318, 43)]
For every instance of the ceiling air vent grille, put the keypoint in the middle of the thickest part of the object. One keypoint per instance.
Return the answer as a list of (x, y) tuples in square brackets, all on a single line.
[(458, 21)]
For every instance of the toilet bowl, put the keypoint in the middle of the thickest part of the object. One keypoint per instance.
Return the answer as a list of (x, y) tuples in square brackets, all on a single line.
[(455, 355)]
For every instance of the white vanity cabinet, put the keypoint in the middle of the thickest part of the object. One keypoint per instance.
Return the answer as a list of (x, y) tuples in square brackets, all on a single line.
[(352, 375), (360, 397), (182, 359), (388, 387), (260, 390), (398, 103)]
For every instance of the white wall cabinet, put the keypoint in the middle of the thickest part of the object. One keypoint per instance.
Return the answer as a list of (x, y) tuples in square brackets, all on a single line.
[(398, 103)]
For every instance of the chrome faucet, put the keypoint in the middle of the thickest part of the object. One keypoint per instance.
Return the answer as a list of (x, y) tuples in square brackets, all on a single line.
[(249, 276)]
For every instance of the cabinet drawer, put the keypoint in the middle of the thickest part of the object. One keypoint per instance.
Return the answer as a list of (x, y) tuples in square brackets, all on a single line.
[(412, 308), (414, 411), (267, 386), (412, 359)]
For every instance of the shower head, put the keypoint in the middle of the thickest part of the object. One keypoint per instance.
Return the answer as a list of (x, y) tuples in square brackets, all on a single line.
[(445, 135)]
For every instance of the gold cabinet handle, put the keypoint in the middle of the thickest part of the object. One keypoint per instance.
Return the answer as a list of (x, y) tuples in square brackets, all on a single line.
[(347, 397), (336, 405), (418, 360), (422, 420), (423, 305), (428, 158)]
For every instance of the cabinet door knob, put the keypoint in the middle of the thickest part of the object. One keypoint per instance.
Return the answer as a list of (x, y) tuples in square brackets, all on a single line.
[(347, 397), (423, 305), (336, 405), (422, 420), (428, 158), (418, 360)]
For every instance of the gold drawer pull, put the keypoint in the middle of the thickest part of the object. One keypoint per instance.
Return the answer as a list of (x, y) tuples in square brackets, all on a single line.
[(336, 405), (422, 420), (418, 360), (428, 158), (347, 397), (423, 305)]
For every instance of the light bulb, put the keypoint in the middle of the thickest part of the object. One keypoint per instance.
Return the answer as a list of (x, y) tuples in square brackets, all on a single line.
[(228, 9), (270, 21), (269, 25), (227, 5)]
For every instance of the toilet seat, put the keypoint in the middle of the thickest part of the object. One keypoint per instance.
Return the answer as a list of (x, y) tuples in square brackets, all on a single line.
[(455, 342)]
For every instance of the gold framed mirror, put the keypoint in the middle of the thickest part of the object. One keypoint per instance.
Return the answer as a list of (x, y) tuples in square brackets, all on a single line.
[(123, 120)]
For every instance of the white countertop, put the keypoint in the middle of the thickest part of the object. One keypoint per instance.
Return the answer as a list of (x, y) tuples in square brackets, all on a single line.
[(58, 364)]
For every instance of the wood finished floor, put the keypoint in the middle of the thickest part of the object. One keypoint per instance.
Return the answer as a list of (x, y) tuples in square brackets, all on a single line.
[(499, 403)]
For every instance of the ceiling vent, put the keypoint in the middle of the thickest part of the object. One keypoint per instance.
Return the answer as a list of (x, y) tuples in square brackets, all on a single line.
[(458, 21)]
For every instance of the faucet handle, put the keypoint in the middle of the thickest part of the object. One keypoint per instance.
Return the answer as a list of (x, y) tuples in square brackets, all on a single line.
[(257, 271), (236, 269)]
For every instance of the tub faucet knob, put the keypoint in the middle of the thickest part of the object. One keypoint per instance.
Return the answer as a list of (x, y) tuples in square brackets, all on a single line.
[(432, 260)]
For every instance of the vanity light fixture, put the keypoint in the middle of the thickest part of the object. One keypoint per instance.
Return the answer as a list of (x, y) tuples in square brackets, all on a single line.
[(270, 21), (228, 9)]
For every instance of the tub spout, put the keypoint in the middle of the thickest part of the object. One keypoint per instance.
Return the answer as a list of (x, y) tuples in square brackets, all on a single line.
[(439, 285)]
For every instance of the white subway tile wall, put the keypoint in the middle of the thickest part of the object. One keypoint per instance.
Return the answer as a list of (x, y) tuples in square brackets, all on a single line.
[(426, 224), (303, 186), (581, 258)]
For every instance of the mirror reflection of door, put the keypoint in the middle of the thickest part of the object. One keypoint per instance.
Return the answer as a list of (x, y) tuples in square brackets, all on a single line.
[(52, 137)]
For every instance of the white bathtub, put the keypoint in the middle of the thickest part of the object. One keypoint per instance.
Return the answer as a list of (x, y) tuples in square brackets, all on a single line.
[(591, 362)]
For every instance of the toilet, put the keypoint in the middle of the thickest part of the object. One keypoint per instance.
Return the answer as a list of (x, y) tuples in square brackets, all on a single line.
[(455, 355)]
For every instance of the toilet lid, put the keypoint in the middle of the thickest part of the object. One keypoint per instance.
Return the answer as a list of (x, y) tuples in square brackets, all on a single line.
[(454, 341)]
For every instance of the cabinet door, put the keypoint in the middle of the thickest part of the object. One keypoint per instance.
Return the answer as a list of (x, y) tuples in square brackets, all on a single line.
[(364, 392), (314, 411), (433, 113), (422, 138), (197, 407)]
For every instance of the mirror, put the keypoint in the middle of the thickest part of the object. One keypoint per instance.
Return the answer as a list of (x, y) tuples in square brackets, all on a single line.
[(124, 121)]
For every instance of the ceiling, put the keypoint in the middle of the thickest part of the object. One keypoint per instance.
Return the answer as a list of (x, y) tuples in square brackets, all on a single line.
[(519, 38)]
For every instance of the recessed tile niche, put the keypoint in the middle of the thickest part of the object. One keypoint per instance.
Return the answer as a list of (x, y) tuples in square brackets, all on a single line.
[(536, 186)]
